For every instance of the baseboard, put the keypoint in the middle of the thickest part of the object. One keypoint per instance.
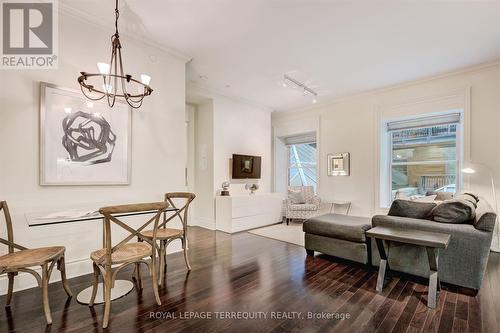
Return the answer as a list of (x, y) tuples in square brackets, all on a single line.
[(204, 222), (74, 268)]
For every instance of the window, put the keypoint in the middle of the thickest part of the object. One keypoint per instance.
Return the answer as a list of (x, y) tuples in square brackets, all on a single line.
[(302, 169), (424, 155)]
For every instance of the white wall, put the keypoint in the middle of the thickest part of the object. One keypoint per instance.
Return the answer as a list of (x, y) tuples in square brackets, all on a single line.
[(351, 125), (240, 128), (204, 206), (158, 141), (225, 126)]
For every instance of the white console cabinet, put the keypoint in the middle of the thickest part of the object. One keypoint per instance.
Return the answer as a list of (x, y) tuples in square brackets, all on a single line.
[(247, 211)]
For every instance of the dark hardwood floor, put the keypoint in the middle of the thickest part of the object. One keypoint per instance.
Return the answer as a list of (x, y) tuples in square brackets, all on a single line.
[(245, 274)]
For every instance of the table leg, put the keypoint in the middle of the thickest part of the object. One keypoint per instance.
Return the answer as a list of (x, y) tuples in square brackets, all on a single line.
[(434, 283), (384, 265)]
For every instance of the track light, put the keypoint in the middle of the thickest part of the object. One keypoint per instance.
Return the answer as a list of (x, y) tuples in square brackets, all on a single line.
[(292, 83)]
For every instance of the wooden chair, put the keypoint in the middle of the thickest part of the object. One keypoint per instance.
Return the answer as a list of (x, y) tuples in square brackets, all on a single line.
[(20, 261), (125, 253), (166, 235)]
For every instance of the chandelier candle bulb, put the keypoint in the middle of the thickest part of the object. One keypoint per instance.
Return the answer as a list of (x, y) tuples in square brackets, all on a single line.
[(103, 68), (108, 88), (145, 79)]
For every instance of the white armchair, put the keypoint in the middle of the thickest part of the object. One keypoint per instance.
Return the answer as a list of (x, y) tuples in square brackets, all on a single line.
[(301, 203)]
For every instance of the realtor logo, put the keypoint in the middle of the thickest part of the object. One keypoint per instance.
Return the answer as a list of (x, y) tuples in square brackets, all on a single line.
[(29, 34)]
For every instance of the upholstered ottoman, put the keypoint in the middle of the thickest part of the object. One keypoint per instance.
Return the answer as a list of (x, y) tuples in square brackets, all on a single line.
[(338, 235)]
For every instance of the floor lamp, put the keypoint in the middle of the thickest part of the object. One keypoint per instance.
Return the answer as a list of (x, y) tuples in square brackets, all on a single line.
[(470, 170)]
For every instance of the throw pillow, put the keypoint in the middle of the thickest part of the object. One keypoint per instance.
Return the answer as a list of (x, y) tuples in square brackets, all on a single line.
[(442, 196), (468, 197), (457, 210), (412, 209), (485, 216), (401, 195), (296, 197), (475, 196)]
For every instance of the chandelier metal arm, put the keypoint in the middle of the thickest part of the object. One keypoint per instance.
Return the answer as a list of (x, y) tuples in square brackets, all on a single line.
[(90, 97), (114, 74), (84, 76), (117, 16)]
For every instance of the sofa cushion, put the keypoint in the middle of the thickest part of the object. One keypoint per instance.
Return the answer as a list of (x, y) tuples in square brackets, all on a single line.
[(412, 209), (351, 228), (485, 216), (457, 210), (308, 207), (296, 197)]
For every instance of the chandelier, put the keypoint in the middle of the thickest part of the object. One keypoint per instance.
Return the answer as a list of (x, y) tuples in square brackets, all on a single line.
[(115, 83)]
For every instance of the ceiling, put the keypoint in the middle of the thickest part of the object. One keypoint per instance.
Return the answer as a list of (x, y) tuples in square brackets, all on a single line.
[(242, 48)]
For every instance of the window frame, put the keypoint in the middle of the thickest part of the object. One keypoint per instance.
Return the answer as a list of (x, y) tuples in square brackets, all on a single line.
[(459, 150), (289, 166)]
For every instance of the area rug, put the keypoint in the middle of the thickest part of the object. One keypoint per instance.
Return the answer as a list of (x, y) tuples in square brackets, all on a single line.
[(286, 233)]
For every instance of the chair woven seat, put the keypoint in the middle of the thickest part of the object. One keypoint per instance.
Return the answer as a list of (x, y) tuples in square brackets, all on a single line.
[(163, 233), (30, 257), (127, 252), (20, 259)]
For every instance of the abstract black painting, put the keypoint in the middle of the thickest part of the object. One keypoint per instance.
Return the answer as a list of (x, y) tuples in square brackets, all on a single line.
[(82, 142), (88, 138)]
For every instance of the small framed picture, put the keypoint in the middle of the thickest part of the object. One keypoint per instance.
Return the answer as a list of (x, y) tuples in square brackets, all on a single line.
[(338, 164), (83, 142)]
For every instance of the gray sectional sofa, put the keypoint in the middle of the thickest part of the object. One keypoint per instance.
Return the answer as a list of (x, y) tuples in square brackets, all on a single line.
[(463, 263)]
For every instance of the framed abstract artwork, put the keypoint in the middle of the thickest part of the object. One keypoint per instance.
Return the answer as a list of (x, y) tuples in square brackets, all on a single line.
[(83, 142), (338, 164)]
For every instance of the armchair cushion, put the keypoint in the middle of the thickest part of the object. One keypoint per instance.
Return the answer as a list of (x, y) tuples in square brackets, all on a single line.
[(296, 197), (315, 200)]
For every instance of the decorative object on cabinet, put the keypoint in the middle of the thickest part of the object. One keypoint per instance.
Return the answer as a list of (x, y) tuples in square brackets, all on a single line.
[(225, 189), (82, 142), (339, 164), (252, 188)]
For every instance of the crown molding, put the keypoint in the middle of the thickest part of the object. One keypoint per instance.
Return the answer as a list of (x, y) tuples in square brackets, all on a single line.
[(443, 75), (208, 92), (85, 17)]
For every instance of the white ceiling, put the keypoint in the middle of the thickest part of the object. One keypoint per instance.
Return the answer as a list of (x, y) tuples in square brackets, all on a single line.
[(242, 48)]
